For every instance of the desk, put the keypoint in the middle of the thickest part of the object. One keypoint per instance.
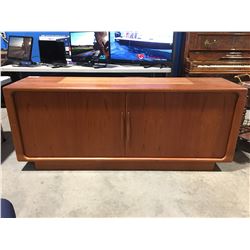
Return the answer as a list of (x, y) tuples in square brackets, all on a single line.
[(110, 70), (5, 80), (125, 122)]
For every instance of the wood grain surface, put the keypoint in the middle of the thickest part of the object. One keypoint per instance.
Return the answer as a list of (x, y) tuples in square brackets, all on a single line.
[(70, 124), (179, 124), (124, 123), (128, 84)]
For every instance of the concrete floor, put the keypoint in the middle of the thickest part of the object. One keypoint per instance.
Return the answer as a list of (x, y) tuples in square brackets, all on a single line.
[(34, 193)]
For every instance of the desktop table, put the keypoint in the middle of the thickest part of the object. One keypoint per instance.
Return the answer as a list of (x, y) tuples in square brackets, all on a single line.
[(5, 80), (19, 72)]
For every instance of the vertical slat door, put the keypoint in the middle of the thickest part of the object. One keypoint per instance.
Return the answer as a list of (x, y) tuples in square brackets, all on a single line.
[(183, 125), (72, 124)]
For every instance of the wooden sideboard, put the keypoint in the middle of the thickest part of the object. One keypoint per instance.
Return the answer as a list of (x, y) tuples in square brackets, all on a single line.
[(124, 122)]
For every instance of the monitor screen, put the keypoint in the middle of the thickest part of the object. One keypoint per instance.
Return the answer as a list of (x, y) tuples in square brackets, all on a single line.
[(88, 46), (52, 52), (147, 47), (20, 48)]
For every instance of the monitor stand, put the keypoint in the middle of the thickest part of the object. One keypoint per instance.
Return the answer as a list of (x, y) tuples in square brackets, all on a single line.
[(85, 64), (59, 65), (160, 65), (24, 64), (96, 64), (99, 65)]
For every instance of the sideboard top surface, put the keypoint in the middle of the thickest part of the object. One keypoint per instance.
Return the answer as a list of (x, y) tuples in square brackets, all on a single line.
[(168, 84)]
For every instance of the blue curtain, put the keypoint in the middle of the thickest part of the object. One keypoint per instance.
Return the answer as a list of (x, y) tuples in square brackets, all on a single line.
[(178, 54)]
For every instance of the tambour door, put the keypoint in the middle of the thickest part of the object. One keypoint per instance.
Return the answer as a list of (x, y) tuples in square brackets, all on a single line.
[(72, 124), (178, 125)]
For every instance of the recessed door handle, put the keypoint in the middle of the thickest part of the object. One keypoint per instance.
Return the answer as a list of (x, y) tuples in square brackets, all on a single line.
[(122, 126), (128, 128)]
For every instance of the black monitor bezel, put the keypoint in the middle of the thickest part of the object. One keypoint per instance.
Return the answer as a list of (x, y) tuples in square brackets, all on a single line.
[(143, 62), (18, 59), (106, 60), (55, 62)]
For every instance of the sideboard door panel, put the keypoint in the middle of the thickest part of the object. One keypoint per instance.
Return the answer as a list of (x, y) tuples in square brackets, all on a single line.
[(71, 124), (181, 125)]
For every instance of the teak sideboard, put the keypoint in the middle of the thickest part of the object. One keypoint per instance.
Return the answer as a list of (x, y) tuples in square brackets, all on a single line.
[(130, 123)]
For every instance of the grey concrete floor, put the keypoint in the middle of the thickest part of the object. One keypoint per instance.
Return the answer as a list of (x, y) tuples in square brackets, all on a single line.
[(34, 193)]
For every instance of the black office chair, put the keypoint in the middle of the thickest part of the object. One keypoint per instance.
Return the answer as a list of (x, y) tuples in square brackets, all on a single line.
[(7, 209)]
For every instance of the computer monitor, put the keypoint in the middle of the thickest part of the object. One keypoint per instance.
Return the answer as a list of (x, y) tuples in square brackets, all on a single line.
[(19, 48), (52, 52), (89, 46), (141, 47)]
